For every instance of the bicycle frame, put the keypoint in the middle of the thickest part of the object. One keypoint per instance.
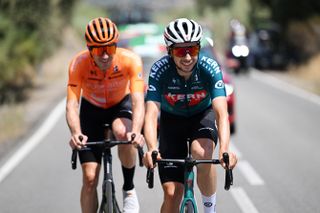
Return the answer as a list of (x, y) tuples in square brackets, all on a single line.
[(188, 203), (108, 188), (188, 199), (109, 202)]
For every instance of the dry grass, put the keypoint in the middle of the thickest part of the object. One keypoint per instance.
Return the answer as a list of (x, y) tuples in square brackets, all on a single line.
[(11, 120), (307, 75)]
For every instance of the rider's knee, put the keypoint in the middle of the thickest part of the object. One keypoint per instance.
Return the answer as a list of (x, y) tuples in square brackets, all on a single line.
[(173, 194), (203, 150), (120, 132), (90, 181)]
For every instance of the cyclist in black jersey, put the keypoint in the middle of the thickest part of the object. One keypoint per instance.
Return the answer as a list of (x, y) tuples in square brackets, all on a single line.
[(187, 90)]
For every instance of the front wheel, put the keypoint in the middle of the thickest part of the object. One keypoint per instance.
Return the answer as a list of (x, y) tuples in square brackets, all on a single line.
[(107, 202), (188, 207)]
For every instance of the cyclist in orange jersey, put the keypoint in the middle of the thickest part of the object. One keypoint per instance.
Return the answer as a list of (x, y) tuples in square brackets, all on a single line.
[(108, 82)]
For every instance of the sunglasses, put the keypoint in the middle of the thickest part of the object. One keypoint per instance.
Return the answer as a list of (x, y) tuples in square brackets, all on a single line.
[(109, 49), (183, 51)]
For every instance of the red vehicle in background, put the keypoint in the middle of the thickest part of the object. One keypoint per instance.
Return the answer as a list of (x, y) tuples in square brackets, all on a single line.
[(207, 46)]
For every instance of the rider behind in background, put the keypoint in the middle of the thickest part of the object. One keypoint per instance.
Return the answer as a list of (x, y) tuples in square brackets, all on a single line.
[(187, 89), (108, 81)]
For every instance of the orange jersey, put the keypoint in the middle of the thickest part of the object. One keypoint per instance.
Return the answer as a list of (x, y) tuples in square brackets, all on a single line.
[(107, 89)]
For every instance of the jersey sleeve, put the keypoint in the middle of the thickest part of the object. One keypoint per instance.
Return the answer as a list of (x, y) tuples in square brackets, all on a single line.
[(74, 81), (136, 73), (217, 86), (214, 77), (154, 88)]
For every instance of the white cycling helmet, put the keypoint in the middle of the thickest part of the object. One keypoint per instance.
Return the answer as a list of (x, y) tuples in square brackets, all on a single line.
[(181, 31)]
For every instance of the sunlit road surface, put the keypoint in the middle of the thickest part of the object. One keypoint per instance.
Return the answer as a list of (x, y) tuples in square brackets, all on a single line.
[(277, 142)]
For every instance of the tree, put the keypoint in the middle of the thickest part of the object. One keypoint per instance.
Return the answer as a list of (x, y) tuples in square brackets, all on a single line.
[(30, 30)]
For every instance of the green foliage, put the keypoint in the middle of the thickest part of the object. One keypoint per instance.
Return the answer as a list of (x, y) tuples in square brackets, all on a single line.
[(30, 30), (85, 12), (214, 4)]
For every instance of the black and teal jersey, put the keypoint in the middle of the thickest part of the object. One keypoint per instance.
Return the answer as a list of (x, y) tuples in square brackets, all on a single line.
[(185, 97)]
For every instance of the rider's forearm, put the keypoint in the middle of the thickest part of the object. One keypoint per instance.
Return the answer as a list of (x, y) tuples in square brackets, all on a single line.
[(150, 134), (138, 111), (72, 116), (150, 129), (222, 119), (223, 132)]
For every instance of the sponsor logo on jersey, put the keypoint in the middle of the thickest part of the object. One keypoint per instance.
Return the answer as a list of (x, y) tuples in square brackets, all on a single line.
[(116, 73), (152, 88), (219, 84), (193, 99), (212, 63), (116, 69), (156, 68)]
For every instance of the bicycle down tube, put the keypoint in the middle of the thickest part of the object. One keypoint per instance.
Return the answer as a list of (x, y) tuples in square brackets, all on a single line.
[(108, 203)]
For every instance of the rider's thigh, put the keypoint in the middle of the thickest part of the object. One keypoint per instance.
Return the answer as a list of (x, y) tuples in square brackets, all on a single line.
[(202, 148), (120, 127)]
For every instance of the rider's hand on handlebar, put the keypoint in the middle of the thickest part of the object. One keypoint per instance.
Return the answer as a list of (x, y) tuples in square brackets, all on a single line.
[(147, 159), (232, 160), (137, 139), (78, 141)]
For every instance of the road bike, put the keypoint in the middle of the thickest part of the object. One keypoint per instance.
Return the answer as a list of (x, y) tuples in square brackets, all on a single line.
[(109, 202), (188, 204)]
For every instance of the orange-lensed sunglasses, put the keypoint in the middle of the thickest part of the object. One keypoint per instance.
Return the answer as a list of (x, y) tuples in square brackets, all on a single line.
[(183, 51), (109, 49)]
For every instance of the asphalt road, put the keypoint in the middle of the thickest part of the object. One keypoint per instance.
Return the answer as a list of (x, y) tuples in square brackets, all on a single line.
[(277, 141)]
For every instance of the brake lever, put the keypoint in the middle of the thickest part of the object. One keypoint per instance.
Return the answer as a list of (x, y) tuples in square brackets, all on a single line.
[(229, 175), (74, 156)]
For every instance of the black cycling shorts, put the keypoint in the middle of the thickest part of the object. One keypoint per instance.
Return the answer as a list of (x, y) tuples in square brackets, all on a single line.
[(92, 120), (174, 131)]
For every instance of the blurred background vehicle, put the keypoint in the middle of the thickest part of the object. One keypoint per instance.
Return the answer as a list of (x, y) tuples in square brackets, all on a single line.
[(267, 49), (238, 48), (207, 46)]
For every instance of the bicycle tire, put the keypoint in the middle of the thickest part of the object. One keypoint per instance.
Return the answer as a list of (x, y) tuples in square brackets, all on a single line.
[(107, 200)]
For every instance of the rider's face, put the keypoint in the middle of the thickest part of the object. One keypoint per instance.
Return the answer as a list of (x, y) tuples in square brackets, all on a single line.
[(185, 56), (103, 56)]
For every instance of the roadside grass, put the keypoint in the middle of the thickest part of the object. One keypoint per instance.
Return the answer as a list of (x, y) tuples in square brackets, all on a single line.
[(307, 75), (16, 119), (12, 117)]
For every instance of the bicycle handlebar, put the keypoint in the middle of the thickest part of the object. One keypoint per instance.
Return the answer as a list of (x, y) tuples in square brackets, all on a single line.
[(107, 145), (192, 162)]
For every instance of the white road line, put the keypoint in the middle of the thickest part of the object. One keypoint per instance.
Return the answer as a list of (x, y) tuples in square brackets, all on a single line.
[(243, 200), (234, 149), (286, 87), (33, 141), (246, 169), (249, 173)]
